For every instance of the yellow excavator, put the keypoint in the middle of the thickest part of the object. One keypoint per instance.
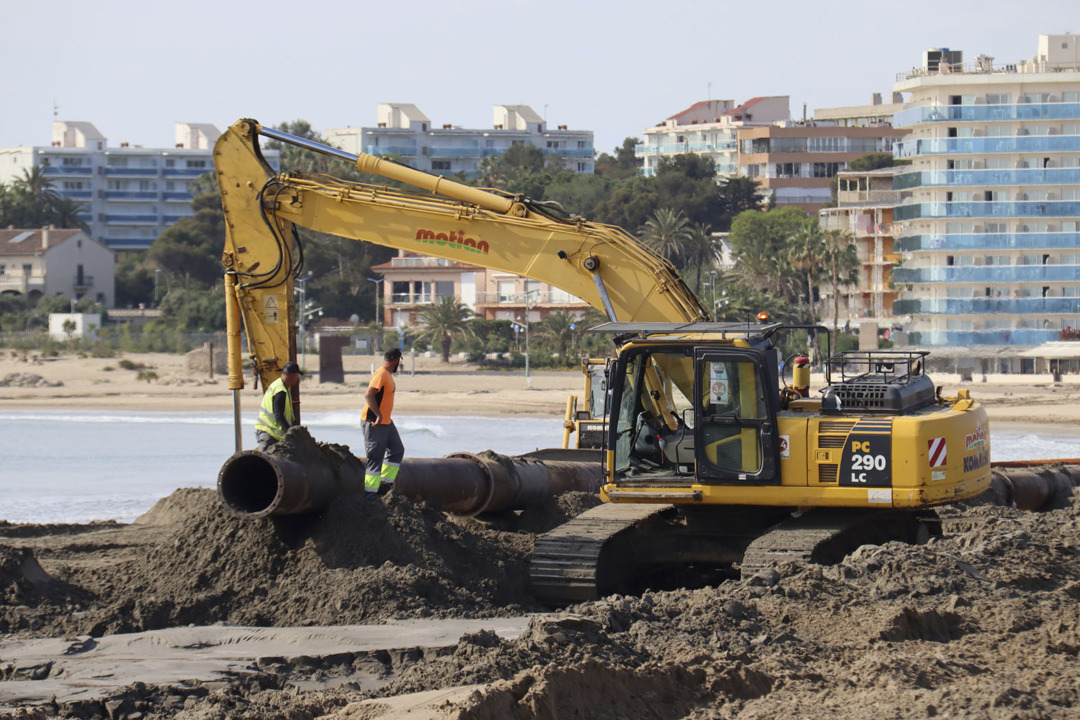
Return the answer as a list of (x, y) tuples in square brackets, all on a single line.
[(712, 459)]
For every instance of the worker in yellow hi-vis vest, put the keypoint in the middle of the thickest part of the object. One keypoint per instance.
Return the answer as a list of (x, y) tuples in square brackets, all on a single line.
[(382, 442), (276, 414)]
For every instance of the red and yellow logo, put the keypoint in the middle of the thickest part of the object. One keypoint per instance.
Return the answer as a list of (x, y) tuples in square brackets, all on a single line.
[(456, 239)]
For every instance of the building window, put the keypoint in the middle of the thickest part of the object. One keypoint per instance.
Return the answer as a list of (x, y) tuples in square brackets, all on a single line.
[(399, 291), (826, 170), (72, 162), (581, 167), (196, 163), (443, 289), (73, 185), (440, 164), (506, 291), (581, 144), (787, 170)]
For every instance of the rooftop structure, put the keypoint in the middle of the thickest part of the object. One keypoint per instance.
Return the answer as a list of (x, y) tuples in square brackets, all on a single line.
[(403, 130)]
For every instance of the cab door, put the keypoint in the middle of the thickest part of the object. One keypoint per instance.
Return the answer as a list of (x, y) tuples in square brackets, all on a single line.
[(735, 433)]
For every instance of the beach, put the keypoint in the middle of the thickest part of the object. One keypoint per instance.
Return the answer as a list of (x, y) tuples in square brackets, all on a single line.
[(425, 385)]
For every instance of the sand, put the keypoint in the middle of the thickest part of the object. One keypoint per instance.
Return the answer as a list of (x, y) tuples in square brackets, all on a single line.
[(425, 385), (191, 612)]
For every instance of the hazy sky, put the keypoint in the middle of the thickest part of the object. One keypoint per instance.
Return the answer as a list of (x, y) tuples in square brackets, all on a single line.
[(135, 68)]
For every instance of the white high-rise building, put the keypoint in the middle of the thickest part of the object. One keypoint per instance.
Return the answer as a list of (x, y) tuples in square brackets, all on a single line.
[(130, 194), (990, 229), (403, 130)]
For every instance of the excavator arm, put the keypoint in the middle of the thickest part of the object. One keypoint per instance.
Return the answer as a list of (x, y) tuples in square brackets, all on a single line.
[(601, 264)]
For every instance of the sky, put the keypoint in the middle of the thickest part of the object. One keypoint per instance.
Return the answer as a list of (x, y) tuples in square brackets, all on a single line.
[(133, 69)]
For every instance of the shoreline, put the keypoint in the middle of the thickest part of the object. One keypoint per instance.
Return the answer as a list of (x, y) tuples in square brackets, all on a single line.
[(426, 386)]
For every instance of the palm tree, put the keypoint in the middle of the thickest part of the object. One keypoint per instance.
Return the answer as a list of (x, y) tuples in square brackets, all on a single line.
[(442, 320), (666, 232), (492, 172), (65, 211), (806, 252), (33, 196), (842, 263), (701, 251), (560, 328)]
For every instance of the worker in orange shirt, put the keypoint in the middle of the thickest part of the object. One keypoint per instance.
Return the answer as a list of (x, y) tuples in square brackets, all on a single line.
[(381, 440)]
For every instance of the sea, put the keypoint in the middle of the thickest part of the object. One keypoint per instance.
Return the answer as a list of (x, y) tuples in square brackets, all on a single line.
[(75, 466)]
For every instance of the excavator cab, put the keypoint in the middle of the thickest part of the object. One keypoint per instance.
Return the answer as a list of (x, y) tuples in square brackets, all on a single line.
[(694, 409)]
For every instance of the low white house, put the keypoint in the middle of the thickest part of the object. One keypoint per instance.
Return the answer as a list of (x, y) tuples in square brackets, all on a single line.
[(64, 326), (48, 261)]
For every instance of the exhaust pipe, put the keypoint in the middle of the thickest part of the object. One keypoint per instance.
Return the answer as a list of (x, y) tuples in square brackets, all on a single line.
[(255, 484)]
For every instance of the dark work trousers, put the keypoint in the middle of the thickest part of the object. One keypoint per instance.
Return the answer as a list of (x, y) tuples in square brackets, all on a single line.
[(384, 453)]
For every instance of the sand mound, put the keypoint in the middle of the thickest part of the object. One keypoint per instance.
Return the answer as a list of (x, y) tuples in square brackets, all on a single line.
[(981, 623), (358, 561)]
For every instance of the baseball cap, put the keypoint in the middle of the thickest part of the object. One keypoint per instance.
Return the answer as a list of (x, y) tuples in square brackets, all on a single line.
[(291, 368)]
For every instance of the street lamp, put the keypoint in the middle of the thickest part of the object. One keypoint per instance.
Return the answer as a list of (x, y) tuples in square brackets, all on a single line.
[(528, 293), (378, 292)]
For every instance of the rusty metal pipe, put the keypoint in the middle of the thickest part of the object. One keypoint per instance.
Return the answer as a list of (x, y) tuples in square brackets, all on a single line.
[(256, 484), (1033, 485)]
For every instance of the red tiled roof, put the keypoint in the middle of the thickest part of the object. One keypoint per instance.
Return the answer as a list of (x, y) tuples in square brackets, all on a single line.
[(30, 242), (744, 106)]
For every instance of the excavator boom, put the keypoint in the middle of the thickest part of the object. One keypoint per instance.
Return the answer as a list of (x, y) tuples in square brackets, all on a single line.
[(601, 264)]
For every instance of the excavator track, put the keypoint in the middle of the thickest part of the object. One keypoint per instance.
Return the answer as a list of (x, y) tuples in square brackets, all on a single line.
[(566, 561), (825, 536)]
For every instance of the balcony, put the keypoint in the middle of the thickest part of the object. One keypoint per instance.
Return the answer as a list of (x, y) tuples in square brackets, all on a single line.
[(411, 299), (82, 284), (1040, 209), (451, 152), (61, 170), (1003, 274), (186, 172), (551, 297), (986, 113), (986, 178), (22, 283), (409, 150), (989, 306), (131, 195), (131, 219), (569, 152), (953, 338), (177, 197), (987, 145), (989, 241), (133, 171), (680, 148)]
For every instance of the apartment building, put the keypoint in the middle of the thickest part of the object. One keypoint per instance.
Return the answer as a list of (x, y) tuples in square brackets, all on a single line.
[(47, 261), (794, 162), (403, 130), (411, 281), (865, 202), (989, 230), (710, 129), (130, 194)]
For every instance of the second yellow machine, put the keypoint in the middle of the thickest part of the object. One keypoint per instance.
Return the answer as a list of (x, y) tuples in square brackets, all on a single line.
[(712, 461)]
